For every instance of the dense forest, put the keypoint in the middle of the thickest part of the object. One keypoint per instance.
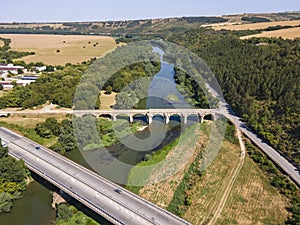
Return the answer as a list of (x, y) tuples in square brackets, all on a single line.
[(260, 80), (13, 175)]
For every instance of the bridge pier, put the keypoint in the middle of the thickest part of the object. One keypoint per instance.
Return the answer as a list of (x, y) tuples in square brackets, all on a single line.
[(114, 118), (201, 118), (150, 118), (213, 117), (131, 118), (185, 118), (167, 118)]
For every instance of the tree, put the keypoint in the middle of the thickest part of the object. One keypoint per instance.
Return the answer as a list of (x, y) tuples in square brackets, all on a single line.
[(20, 71), (12, 170), (5, 202), (64, 212), (3, 150), (108, 90)]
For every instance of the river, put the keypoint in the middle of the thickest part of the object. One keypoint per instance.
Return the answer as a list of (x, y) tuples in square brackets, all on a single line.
[(34, 207)]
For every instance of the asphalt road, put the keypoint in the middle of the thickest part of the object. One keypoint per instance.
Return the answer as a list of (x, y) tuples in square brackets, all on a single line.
[(89, 187), (283, 163)]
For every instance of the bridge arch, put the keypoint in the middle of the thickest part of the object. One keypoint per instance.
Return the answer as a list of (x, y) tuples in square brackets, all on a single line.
[(195, 117), (106, 116), (140, 117), (175, 117), (124, 116), (209, 116), (89, 114), (159, 115)]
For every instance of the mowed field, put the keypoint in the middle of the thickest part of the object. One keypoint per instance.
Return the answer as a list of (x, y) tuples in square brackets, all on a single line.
[(254, 26), (290, 33), (61, 49), (252, 199)]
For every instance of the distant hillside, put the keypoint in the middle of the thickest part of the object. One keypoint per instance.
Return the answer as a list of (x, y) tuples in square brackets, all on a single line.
[(147, 26)]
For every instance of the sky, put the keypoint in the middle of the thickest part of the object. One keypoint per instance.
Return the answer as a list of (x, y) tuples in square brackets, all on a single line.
[(98, 10)]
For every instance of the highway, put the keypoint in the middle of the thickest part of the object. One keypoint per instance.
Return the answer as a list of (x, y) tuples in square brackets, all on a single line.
[(86, 186)]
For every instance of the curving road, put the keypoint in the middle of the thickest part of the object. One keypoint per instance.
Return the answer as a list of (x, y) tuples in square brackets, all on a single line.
[(278, 159), (87, 187)]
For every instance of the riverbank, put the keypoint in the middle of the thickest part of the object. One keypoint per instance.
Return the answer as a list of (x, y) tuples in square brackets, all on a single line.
[(172, 151), (57, 199)]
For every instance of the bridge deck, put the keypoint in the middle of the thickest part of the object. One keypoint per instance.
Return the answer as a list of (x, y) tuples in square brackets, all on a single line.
[(91, 189)]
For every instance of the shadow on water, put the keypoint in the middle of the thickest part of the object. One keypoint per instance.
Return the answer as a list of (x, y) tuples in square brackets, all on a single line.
[(34, 208), (78, 205)]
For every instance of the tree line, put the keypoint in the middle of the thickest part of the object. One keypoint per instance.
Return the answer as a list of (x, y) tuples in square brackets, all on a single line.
[(13, 175), (7, 55), (260, 80)]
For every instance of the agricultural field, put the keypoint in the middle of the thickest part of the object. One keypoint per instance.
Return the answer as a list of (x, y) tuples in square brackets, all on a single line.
[(60, 49), (252, 200), (289, 33), (254, 26)]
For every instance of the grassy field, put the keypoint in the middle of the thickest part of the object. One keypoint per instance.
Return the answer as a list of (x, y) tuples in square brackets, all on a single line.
[(289, 33), (253, 200), (161, 193), (255, 26), (107, 100), (60, 49), (30, 121), (207, 194)]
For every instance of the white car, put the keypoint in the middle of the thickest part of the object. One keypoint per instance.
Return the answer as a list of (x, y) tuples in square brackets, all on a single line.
[(4, 144)]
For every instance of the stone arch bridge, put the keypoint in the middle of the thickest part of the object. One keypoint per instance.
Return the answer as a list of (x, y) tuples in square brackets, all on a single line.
[(150, 113)]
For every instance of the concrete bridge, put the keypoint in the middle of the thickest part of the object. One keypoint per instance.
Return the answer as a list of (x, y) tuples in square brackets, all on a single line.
[(130, 113), (106, 198)]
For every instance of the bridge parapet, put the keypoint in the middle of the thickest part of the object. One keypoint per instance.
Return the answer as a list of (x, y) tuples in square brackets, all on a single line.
[(149, 113)]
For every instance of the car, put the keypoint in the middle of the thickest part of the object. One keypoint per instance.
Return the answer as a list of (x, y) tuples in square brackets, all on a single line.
[(37, 147), (4, 144), (118, 191)]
